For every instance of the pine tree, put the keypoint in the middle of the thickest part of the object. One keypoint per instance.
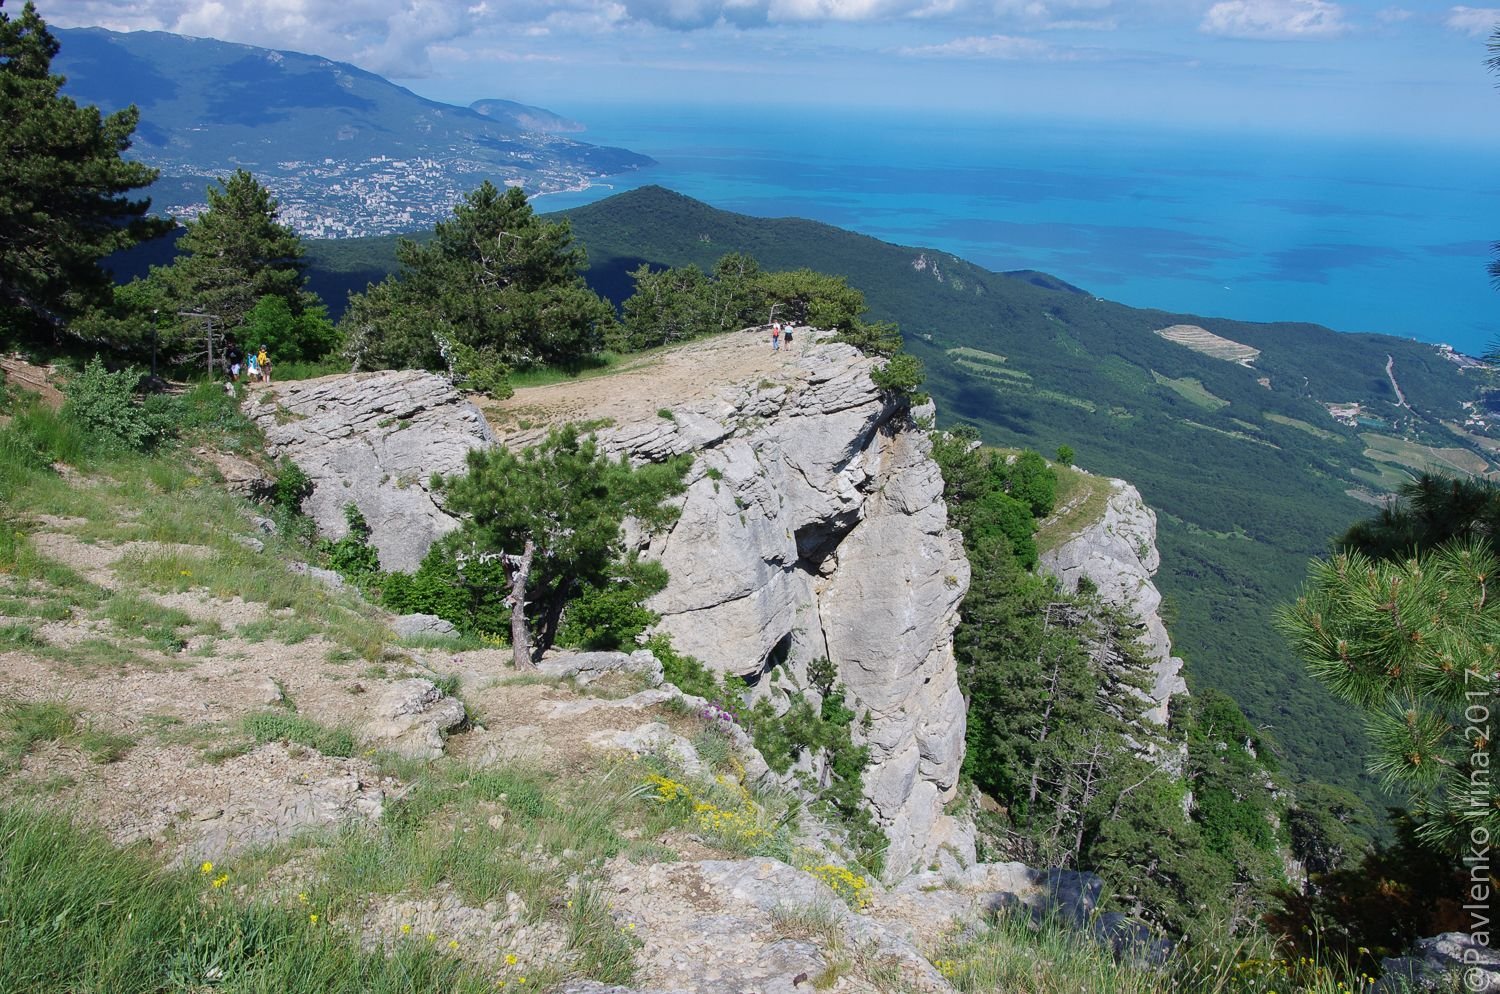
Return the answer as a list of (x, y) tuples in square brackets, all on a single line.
[(1414, 645), (64, 187), (496, 288), (236, 253), (553, 513)]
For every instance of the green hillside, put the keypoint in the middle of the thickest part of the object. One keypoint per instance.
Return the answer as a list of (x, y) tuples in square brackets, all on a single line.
[(1247, 469)]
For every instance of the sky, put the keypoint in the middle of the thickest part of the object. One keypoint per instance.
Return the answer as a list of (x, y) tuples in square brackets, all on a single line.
[(1358, 67)]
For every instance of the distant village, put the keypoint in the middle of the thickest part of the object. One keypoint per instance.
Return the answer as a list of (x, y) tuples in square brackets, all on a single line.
[(339, 198)]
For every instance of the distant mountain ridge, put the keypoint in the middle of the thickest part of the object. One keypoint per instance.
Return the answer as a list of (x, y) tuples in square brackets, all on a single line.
[(345, 151)]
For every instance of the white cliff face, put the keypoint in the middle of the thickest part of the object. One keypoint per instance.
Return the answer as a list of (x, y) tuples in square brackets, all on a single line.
[(1118, 554), (374, 440), (814, 526)]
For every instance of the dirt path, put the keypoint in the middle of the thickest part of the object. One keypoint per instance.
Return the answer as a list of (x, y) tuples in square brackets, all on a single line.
[(639, 387)]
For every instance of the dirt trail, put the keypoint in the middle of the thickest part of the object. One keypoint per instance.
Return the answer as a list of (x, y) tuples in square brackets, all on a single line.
[(639, 387)]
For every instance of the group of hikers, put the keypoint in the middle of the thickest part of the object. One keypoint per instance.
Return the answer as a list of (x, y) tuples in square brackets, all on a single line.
[(778, 332), (257, 365)]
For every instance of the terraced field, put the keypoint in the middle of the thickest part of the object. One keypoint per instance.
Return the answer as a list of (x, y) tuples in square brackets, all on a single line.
[(1204, 341)]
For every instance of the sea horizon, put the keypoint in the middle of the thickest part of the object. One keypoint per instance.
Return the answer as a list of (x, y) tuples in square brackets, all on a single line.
[(1356, 233)]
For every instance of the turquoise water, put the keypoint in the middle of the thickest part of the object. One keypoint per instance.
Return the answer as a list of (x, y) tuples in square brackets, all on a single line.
[(1360, 236)]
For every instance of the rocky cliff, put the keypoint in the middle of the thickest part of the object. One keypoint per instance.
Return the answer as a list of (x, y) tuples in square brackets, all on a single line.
[(813, 526), (1117, 553), (374, 440)]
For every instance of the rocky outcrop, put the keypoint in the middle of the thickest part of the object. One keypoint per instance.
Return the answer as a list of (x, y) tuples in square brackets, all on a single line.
[(1447, 962), (374, 440), (1117, 553), (412, 719), (583, 668), (813, 525)]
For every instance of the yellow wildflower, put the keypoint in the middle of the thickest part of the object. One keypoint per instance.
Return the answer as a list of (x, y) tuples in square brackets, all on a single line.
[(406, 928), (452, 943), (510, 959), (206, 868), (313, 918)]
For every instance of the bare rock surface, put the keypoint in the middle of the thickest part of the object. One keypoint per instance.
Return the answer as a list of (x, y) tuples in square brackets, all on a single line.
[(813, 525), (583, 668), (412, 717), (744, 925), (373, 440), (1118, 554), (423, 625)]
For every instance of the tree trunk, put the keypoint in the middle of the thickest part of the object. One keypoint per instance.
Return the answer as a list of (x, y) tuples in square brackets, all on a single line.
[(520, 637)]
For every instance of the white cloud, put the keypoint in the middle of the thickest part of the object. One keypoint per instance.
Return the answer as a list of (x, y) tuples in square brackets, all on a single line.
[(1275, 19), (1473, 21), (386, 36), (1393, 15), (1010, 48)]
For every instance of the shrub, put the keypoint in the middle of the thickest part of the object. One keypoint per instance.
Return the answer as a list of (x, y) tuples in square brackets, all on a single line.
[(471, 594), (900, 376), (291, 488), (103, 405), (353, 557), (609, 617), (683, 671)]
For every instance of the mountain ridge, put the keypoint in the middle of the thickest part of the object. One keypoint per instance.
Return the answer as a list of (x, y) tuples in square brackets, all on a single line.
[(352, 153)]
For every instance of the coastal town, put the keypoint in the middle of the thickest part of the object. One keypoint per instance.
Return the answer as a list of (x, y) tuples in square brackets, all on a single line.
[(381, 195)]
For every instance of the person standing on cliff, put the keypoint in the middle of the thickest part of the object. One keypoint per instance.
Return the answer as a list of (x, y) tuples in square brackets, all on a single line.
[(788, 337), (776, 336)]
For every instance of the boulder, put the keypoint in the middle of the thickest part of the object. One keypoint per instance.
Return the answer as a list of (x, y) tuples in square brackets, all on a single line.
[(423, 625), (412, 717), (1451, 961), (584, 668), (326, 577)]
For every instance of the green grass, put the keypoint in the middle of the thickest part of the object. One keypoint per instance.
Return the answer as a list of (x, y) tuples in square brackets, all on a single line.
[(1414, 455), (1301, 425), (137, 617), (25, 724), (19, 637), (1018, 957), (1191, 390), (285, 726), (82, 917), (1081, 499)]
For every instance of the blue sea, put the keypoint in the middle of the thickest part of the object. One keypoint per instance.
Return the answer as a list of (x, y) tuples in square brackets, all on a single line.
[(1358, 234)]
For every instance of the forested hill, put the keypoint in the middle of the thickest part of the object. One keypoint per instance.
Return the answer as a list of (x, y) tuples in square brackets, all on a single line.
[(1249, 471)]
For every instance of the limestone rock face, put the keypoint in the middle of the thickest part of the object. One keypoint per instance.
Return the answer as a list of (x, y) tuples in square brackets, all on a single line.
[(1118, 554), (412, 717), (813, 526), (373, 440)]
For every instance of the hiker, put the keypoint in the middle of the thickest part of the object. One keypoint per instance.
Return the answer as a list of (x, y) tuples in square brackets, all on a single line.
[(233, 358), (263, 360), (252, 370), (787, 335), (776, 336)]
